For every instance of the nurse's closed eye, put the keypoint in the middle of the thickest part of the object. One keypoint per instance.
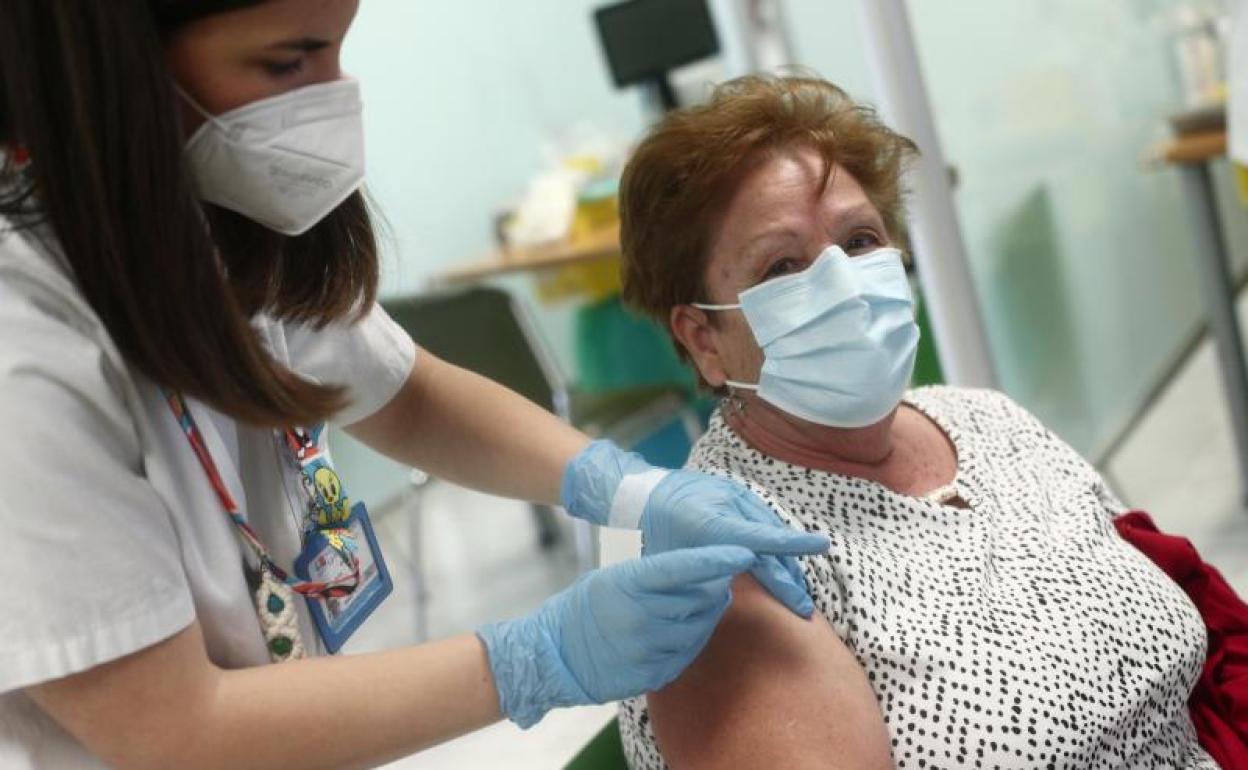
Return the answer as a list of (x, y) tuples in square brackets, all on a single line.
[(284, 68)]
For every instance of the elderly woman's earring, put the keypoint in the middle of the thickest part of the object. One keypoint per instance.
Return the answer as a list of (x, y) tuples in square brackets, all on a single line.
[(733, 403)]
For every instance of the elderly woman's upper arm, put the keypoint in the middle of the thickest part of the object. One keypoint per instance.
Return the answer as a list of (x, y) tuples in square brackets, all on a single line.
[(770, 690)]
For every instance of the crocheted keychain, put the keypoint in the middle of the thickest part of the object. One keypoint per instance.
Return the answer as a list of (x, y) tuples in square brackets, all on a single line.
[(275, 595), (275, 606)]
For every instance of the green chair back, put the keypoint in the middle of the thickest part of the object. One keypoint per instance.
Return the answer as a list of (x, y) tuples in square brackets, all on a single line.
[(483, 330)]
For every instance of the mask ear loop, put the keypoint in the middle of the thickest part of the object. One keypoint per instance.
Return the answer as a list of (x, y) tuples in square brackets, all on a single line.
[(733, 401), (208, 116)]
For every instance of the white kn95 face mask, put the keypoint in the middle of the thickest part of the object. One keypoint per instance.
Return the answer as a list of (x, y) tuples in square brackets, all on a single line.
[(286, 161)]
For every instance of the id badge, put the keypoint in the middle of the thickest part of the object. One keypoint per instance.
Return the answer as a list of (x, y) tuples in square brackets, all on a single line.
[(337, 618)]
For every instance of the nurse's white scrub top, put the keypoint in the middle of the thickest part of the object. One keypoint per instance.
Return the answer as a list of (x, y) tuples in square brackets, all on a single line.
[(112, 536)]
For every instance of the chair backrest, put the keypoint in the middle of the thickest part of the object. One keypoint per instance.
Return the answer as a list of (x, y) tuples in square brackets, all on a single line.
[(487, 331)]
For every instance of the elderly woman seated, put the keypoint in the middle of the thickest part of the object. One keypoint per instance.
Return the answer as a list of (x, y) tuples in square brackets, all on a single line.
[(977, 608)]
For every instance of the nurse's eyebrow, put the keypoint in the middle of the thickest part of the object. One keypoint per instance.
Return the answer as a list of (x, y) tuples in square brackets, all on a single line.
[(303, 44)]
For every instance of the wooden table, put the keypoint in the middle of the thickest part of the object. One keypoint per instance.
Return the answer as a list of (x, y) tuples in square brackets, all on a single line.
[(1193, 148), (1191, 155), (603, 244)]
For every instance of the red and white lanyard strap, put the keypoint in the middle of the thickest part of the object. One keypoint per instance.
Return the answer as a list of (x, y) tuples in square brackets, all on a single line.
[(274, 597)]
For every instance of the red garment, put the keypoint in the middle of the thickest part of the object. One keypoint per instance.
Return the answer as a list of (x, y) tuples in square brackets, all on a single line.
[(18, 153), (1219, 703)]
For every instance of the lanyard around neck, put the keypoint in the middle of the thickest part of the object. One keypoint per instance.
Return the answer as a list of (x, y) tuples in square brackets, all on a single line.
[(338, 587)]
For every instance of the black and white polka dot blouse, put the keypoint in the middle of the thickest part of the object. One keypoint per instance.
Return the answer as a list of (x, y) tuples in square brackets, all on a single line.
[(1019, 633)]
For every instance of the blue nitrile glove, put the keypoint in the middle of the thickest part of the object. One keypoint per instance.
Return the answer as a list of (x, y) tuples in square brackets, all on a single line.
[(682, 509), (615, 633)]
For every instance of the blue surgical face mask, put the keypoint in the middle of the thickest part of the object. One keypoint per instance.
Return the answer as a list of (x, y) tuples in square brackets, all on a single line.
[(838, 338)]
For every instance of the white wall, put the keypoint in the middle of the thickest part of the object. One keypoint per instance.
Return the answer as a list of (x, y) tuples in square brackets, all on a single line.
[(459, 97)]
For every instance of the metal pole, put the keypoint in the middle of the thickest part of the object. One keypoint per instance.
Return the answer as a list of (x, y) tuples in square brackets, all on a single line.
[(939, 251), (1219, 292)]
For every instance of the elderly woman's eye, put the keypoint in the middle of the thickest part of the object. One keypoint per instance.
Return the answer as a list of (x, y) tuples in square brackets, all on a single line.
[(782, 266), (863, 242)]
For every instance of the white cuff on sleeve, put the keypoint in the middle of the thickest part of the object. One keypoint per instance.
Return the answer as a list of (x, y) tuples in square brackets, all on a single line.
[(631, 496)]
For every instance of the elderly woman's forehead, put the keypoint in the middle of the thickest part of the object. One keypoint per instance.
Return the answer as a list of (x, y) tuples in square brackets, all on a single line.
[(793, 184), (795, 160)]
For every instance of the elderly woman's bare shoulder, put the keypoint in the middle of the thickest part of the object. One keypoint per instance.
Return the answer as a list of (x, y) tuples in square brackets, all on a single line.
[(770, 690)]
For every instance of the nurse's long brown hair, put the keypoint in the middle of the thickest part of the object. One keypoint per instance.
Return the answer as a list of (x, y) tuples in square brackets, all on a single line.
[(85, 95)]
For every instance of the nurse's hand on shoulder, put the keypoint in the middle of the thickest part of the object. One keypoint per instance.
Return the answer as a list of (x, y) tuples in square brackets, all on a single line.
[(683, 509), (617, 632)]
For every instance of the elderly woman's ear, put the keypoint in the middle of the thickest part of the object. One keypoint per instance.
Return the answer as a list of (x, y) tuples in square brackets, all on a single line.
[(693, 330)]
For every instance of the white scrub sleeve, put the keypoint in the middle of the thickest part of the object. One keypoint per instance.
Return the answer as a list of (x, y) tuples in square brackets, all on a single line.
[(90, 562), (372, 358)]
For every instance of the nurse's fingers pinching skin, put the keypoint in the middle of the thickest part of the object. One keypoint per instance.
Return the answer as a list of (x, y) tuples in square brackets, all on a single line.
[(709, 509)]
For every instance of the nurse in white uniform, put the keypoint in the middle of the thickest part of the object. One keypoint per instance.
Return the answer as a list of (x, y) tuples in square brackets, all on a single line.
[(187, 282)]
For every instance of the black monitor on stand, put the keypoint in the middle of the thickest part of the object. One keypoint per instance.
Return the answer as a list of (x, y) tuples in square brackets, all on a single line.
[(644, 40)]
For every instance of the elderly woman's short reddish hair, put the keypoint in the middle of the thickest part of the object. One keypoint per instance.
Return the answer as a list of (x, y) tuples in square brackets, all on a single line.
[(688, 166)]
